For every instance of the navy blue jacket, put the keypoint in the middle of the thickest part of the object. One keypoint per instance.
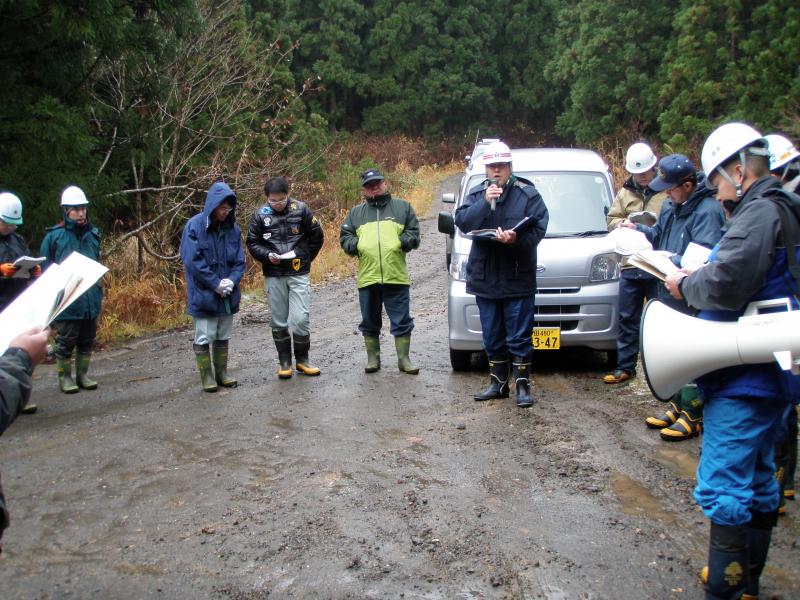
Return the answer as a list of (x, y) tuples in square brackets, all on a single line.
[(699, 220), (61, 241), (212, 252), (498, 270)]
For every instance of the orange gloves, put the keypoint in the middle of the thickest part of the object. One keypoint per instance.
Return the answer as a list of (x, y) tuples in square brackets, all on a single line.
[(8, 269)]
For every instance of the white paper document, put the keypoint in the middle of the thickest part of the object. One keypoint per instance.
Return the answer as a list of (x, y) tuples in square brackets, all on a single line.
[(284, 256), (655, 262), (52, 292), (25, 264), (695, 256)]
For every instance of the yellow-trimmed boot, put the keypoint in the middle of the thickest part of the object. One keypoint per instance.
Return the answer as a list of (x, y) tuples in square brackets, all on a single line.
[(66, 384), (219, 356), (283, 344), (302, 344), (668, 418), (684, 428), (81, 368), (203, 358)]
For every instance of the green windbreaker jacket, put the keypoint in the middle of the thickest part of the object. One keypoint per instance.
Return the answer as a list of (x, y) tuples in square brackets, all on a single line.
[(380, 231)]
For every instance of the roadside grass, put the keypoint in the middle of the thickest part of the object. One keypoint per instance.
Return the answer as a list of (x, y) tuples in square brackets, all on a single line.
[(136, 304)]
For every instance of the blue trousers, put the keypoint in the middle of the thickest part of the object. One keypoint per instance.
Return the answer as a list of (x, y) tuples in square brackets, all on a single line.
[(634, 287), (507, 325), (395, 298), (736, 473)]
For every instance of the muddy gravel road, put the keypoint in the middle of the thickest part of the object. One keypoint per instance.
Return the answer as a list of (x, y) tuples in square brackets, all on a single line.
[(352, 485)]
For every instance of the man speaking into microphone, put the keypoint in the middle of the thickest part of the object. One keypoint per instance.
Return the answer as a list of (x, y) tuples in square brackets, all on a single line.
[(501, 271)]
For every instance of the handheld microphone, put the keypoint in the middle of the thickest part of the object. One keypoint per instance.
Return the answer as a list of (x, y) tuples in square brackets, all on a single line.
[(494, 200)]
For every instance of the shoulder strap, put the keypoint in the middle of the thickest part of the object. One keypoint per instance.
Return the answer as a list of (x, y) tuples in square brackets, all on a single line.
[(788, 234)]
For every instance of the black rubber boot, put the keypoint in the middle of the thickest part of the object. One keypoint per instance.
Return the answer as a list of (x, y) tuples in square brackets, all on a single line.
[(727, 562), (759, 535), (203, 359), (302, 344), (219, 356), (521, 372), (283, 344), (498, 380)]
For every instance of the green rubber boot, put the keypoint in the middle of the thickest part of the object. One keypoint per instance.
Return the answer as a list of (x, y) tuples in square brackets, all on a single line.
[(81, 367), (65, 382), (203, 358), (219, 355), (373, 346), (402, 344)]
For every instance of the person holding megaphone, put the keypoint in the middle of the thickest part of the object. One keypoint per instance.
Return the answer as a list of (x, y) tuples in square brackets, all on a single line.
[(745, 406)]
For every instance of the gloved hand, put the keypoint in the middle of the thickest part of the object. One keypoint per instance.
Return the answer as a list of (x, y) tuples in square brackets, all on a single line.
[(8, 269), (221, 288), (36, 271), (224, 288)]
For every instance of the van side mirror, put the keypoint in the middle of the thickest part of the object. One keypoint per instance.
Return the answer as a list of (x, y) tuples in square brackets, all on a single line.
[(446, 223), (449, 198)]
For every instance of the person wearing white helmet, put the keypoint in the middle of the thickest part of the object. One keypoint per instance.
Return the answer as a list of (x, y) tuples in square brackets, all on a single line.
[(784, 161), (12, 247), (77, 325), (635, 202), (745, 407), (501, 272)]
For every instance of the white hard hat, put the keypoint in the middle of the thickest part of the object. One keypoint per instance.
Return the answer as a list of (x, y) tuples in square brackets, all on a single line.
[(496, 152), (10, 209), (73, 196), (781, 151), (725, 141), (640, 158)]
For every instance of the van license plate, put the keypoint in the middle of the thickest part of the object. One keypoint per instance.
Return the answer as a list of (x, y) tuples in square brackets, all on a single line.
[(546, 338)]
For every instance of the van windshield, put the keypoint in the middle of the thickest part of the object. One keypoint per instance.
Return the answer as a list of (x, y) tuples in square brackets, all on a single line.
[(577, 201)]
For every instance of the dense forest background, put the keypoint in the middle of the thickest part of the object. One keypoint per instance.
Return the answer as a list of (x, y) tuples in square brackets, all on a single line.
[(144, 103)]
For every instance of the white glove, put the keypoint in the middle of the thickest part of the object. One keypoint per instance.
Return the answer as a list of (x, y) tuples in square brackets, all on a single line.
[(224, 288)]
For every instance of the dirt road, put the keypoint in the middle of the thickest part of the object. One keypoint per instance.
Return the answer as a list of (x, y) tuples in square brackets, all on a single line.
[(352, 485)]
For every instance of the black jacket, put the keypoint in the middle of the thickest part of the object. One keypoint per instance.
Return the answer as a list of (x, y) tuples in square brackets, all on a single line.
[(498, 270), (12, 246), (296, 228), (16, 371)]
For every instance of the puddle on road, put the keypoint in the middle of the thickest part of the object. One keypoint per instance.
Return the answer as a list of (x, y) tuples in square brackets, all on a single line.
[(782, 579), (680, 461), (636, 500), (282, 423)]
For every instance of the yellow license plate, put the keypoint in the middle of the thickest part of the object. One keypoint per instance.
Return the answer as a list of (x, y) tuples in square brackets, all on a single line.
[(546, 338)]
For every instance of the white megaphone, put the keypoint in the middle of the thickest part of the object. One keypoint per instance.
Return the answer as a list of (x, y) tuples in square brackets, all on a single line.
[(677, 348)]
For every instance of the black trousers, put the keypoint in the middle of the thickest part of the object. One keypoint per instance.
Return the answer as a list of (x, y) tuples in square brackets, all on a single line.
[(79, 333)]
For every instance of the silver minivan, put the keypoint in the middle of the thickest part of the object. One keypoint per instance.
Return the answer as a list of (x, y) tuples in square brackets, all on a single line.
[(577, 266)]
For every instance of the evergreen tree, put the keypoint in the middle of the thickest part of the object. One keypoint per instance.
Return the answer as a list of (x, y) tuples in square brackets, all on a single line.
[(608, 57)]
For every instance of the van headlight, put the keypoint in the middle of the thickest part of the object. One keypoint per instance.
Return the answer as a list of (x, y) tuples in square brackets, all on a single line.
[(458, 266), (605, 267)]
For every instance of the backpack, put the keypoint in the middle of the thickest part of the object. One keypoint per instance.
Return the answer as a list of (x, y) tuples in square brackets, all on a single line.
[(788, 205)]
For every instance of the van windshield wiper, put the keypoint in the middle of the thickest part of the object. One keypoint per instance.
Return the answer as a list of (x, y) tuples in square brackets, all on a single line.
[(589, 233)]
